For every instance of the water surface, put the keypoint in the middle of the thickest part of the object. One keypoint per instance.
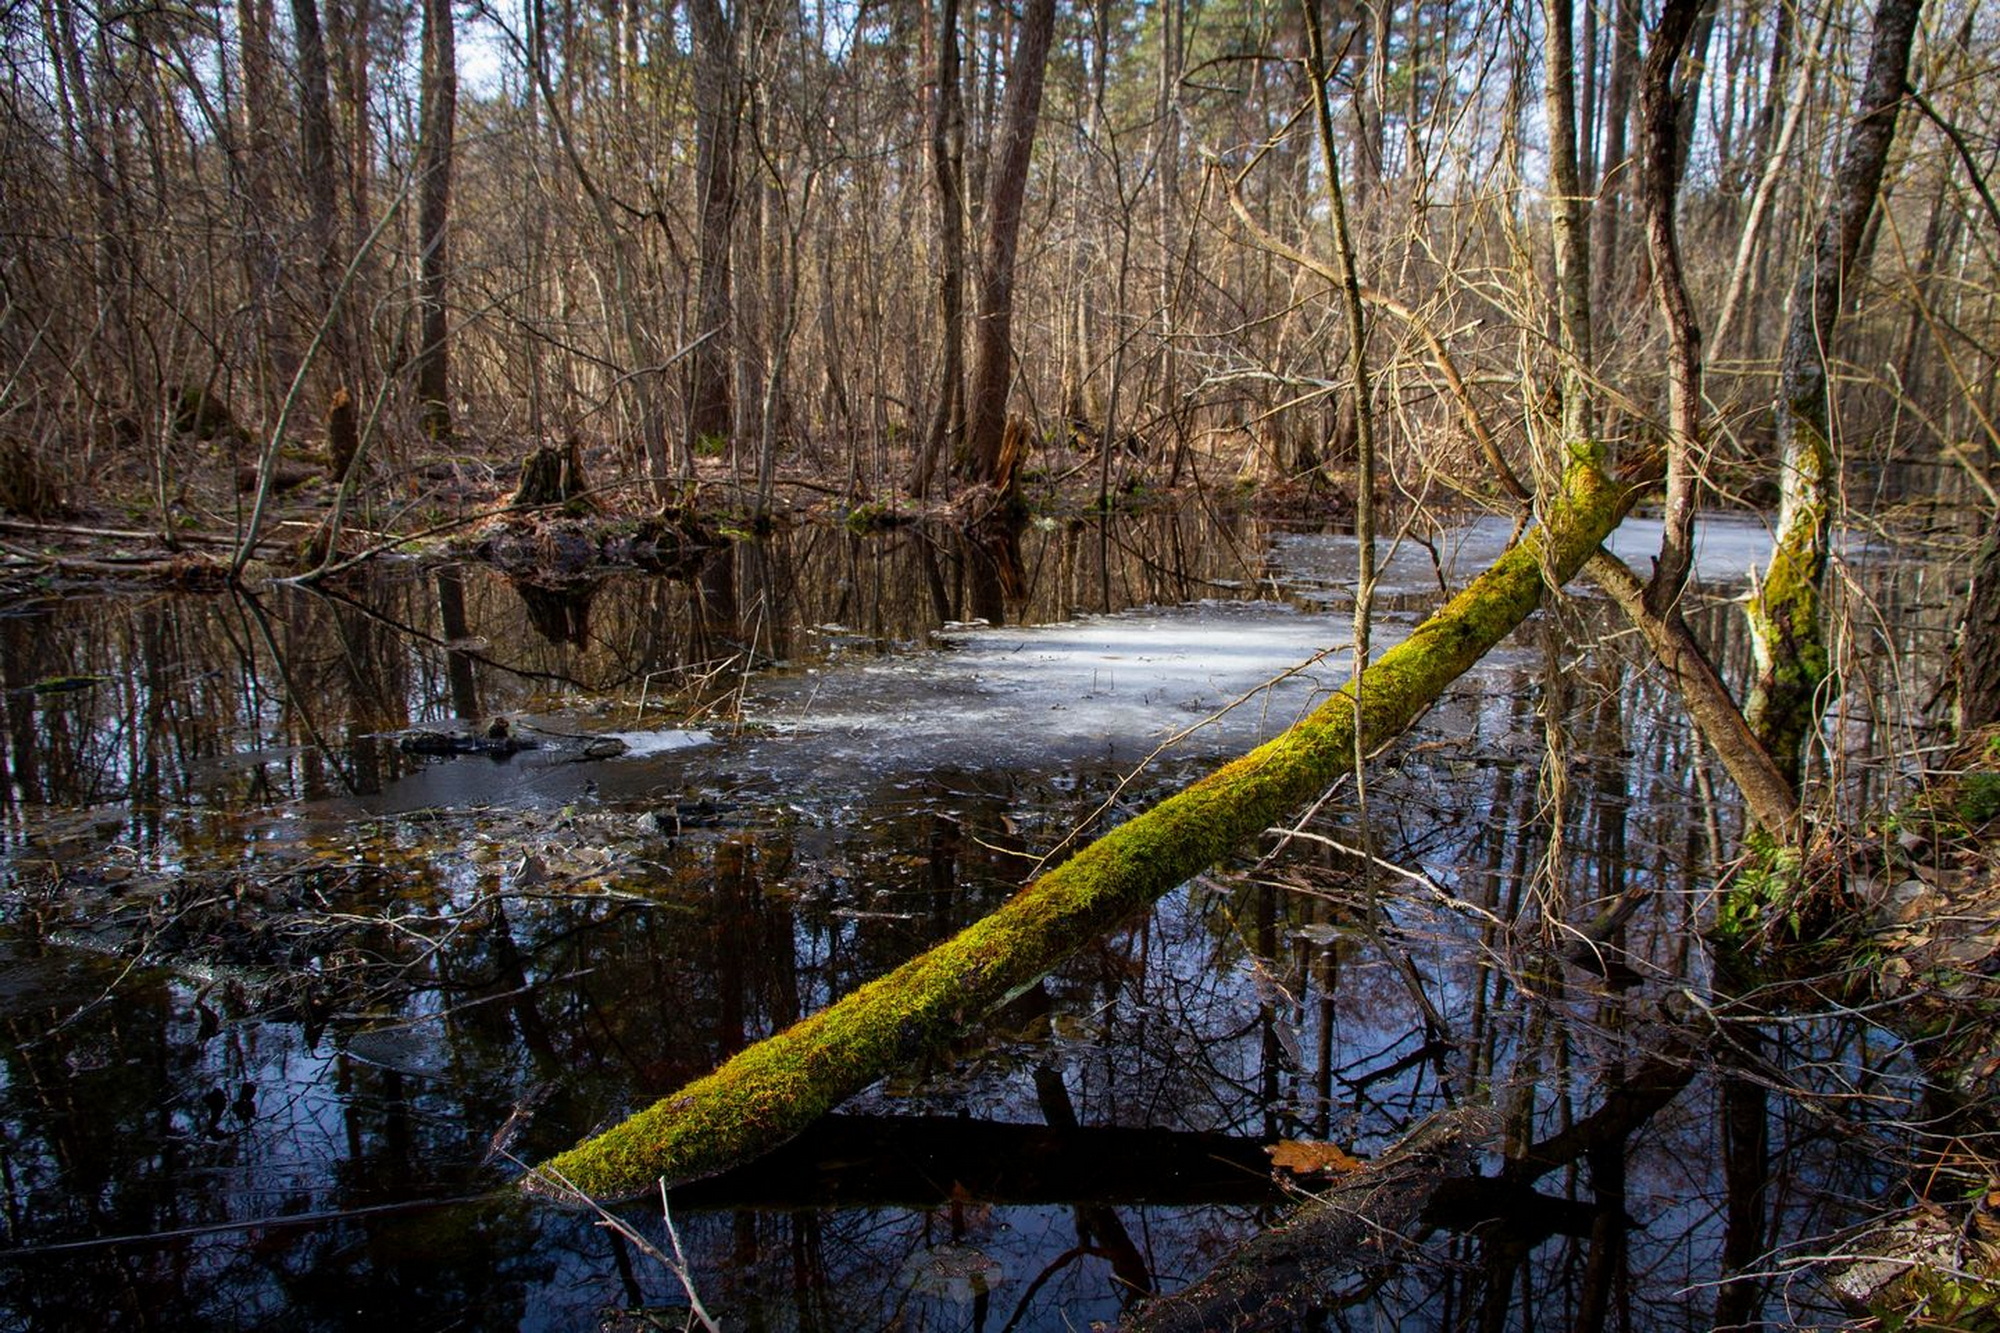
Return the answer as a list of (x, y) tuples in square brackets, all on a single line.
[(285, 1005)]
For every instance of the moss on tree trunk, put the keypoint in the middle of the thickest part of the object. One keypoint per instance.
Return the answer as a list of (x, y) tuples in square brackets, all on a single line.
[(773, 1089)]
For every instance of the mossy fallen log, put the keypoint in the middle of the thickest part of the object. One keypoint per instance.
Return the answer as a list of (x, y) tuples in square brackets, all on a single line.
[(772, 1090)]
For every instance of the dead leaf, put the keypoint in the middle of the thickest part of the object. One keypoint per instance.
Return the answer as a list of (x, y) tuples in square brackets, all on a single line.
[(1304, 1157)]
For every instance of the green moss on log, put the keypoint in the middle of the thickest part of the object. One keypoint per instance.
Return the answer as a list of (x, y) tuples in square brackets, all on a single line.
[(773, 1089)]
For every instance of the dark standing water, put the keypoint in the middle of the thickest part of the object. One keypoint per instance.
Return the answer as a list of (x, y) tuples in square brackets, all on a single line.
[(280, 999)]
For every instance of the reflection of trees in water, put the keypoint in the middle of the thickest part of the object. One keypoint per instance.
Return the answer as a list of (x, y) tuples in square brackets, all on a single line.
[(189, 681), (560, 614), (119, 1124), (1576, 861), (1241, 1006)]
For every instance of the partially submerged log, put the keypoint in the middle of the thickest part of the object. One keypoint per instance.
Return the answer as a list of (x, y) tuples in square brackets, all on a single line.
[(772, 1090), (498, 742), (849, 1161), (1280, 1275)]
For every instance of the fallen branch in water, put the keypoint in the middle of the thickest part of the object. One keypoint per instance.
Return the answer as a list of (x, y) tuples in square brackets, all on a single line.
[(772, 1090), (1281, 1275)]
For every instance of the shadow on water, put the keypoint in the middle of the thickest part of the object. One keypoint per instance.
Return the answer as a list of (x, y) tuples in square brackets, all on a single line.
[(284, 1002)]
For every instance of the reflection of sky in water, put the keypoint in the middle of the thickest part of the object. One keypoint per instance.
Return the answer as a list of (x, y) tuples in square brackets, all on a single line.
[(1110, 688), (1321, 568), (861, 777)]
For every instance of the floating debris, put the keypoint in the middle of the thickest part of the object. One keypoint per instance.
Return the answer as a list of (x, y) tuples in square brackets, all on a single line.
[(445, 743)]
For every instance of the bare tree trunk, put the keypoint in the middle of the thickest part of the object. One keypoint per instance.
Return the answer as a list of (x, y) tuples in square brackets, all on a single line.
[(1571, 242), (439, 124), (1659, 179), (261, 261), (352, 38), (1767, 793), (1168, 153), (1656, 608), (710, 399), (1979, 644), (1604, 221), (948, 175), (322, 195), (1788, 641), (993, 358)]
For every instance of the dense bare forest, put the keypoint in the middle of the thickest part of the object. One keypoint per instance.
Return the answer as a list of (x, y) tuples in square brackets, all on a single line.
[(287, 288), (845, 242)]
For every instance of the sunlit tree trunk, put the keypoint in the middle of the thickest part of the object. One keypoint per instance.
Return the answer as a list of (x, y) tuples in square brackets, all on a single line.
[(1659, 185), (993, 358), (1571, 242), (1788, 638)]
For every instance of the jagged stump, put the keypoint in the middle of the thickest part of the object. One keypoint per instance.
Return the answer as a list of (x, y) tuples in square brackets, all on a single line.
[(552, 476)]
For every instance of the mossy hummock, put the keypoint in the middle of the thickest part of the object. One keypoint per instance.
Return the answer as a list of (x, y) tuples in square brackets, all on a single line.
[(773, 1089)]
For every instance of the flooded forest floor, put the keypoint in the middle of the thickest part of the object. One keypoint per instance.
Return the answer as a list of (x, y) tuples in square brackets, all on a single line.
[(322, 909)]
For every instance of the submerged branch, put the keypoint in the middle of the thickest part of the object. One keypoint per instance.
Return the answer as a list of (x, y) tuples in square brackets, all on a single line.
[(1281, 1275), (1768, 795)]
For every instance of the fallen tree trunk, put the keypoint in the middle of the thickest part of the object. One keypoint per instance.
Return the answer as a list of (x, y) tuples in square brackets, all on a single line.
[(849, 1161), (1279, 1278), (772, 1090)]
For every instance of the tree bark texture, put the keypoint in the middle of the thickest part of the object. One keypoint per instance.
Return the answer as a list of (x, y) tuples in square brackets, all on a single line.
[(440, 115), (774, 1089), (322, 193), (993, 356), (1787, 637), (948, 177), (1566, 227), (710, 400), (1979, 644), (1659, 177), (262, 263)]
